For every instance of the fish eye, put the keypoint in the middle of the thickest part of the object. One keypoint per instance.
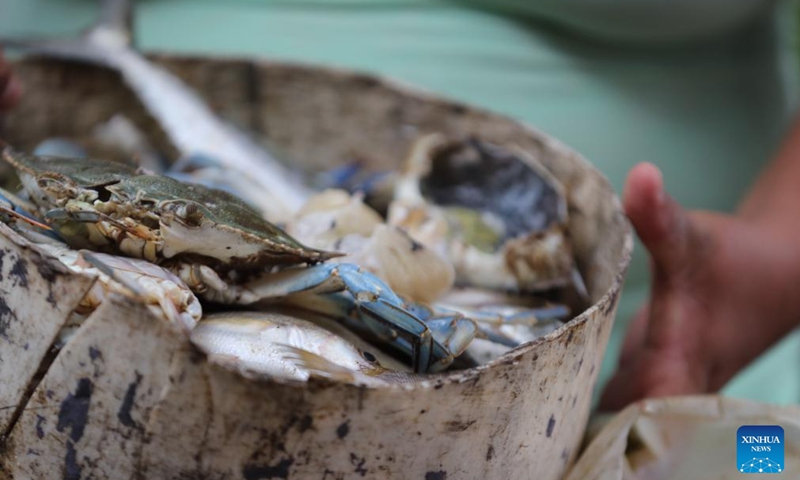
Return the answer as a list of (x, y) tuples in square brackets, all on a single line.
[(369, 357)]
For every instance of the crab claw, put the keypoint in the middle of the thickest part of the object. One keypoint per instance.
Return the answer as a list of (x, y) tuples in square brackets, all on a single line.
[(454, 334)]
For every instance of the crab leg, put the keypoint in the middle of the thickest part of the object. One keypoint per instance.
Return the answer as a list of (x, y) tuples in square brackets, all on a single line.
[(9, 205), (374, 322), (402, 326), (378, 307), (452, 332), (74, 212), (515, 316), (25, 218), (490, 319)]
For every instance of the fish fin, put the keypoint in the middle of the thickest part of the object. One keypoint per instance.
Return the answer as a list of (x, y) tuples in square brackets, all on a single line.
[(315, 364), (25, 218)]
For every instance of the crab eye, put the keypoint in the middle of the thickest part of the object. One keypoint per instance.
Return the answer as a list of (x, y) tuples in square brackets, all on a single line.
[(188, 212), (369, 357)]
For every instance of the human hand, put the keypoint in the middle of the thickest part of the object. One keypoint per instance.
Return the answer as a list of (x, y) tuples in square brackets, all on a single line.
[(10, 88), (723, 291)]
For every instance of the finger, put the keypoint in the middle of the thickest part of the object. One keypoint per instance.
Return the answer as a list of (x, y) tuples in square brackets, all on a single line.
[(659, 221), (655, 360)]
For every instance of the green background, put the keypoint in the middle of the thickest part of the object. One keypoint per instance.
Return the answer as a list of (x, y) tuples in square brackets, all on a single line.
[(709, 113)]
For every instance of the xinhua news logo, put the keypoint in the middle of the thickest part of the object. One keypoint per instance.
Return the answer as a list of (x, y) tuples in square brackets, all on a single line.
[(759, 449)]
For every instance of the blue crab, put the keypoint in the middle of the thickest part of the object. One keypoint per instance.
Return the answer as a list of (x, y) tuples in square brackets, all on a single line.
[(336, 220), (223, 249)]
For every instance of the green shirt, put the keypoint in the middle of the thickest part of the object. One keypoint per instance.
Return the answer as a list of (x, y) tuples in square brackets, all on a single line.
[(710, 113)]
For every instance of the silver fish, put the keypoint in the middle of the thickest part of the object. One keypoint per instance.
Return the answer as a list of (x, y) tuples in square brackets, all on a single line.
[(190, 124), (286, 347)]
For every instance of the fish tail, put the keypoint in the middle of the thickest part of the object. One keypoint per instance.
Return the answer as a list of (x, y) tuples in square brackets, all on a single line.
[(115, 16)]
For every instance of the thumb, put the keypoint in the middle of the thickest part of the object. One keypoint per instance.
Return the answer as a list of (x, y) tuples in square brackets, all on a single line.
[(663, 226), (678, 251), (659, 348)]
